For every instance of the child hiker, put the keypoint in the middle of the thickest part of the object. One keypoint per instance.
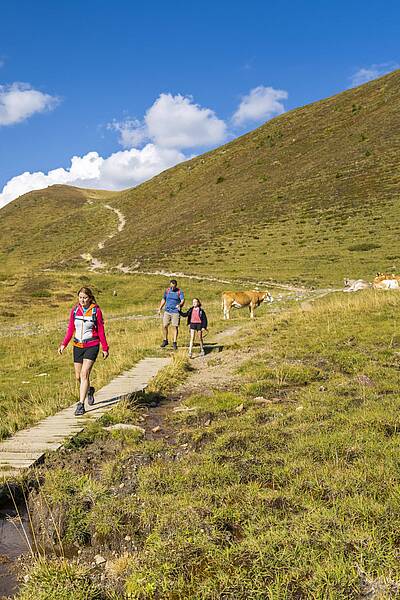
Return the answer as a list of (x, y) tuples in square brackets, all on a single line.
[(87, 326), (197, 321)]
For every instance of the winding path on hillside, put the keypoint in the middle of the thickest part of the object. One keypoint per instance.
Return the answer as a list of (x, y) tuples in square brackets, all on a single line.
[(96, 263), (120, 226), (248, 282)]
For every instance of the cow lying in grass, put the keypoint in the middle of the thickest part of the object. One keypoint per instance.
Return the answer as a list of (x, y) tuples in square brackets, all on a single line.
[(242, 299), (386, 281), (354, 285)]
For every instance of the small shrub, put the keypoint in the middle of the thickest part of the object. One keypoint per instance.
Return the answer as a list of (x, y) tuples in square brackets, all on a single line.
[(59, 580), (41, 294), (107, 519), (76, 530), (123, 412), (349, 361), (220, 179), (272, 379), (74, 497), (7, 314), (219, 402), (363, 247), (87, 436)]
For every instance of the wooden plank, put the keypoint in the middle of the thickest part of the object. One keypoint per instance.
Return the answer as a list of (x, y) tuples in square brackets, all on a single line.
[(26, 447)]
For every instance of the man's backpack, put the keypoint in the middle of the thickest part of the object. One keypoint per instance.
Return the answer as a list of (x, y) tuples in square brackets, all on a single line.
[(171, 290)]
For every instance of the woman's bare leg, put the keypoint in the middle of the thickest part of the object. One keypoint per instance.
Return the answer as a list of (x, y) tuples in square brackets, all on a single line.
[(85, 378), (78, 369)]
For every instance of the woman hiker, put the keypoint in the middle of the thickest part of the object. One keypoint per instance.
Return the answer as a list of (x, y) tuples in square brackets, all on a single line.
[(87, 325), (197, 321)]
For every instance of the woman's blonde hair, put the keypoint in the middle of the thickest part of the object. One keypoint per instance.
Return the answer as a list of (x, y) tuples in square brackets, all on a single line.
[(88, 292)]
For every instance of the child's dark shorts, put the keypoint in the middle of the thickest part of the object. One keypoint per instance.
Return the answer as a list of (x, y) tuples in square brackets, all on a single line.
[(196, 326), (89, 353)]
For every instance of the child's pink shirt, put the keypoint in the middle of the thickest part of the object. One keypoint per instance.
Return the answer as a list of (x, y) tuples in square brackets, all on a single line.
[(195, 315)]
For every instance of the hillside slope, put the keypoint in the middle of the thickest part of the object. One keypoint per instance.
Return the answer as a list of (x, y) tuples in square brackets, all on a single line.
[(50, 225), (306, 193), (310, 196)]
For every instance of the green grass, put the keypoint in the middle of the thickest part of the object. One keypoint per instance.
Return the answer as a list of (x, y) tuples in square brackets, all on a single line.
[(291, 499), (295, 497), (59, 580)]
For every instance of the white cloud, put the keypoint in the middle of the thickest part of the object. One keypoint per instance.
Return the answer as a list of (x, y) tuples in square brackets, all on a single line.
[(176, 122), (366, 74), (131, 132), (19, 101), (260, 104), (122, 169), (173, 122), (170, 126)]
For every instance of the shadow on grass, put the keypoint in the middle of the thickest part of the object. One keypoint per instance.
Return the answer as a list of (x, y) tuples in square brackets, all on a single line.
[(145, 399), (213, 347)]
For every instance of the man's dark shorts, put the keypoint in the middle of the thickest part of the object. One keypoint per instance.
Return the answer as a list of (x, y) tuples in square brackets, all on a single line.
[(89, 353)]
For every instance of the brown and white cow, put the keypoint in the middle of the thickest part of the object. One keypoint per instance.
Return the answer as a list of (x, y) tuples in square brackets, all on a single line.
[(242, 299), (386, 281)]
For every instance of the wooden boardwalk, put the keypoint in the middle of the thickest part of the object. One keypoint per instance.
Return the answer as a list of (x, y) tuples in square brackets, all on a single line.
[(27, 447)]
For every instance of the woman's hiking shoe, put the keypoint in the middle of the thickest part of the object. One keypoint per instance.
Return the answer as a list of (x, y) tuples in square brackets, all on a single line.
[(202, 353), (174, 345), (164, 343), (80, 409), (190, 355), (90, 396)]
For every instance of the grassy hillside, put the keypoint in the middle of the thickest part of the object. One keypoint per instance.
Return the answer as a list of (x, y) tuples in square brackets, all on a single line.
[(310, 196), (51, 225)]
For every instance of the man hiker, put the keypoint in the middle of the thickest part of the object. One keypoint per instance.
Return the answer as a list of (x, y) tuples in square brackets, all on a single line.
[(173, 300)]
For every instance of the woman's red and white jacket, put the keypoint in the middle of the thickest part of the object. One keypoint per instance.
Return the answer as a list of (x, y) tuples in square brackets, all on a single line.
[(86, 327)]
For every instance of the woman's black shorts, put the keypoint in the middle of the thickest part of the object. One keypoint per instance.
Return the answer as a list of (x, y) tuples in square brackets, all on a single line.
[(196, 326), (89, 353)]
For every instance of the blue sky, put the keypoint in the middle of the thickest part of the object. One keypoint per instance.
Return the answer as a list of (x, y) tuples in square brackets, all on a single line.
[(79, 77)]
